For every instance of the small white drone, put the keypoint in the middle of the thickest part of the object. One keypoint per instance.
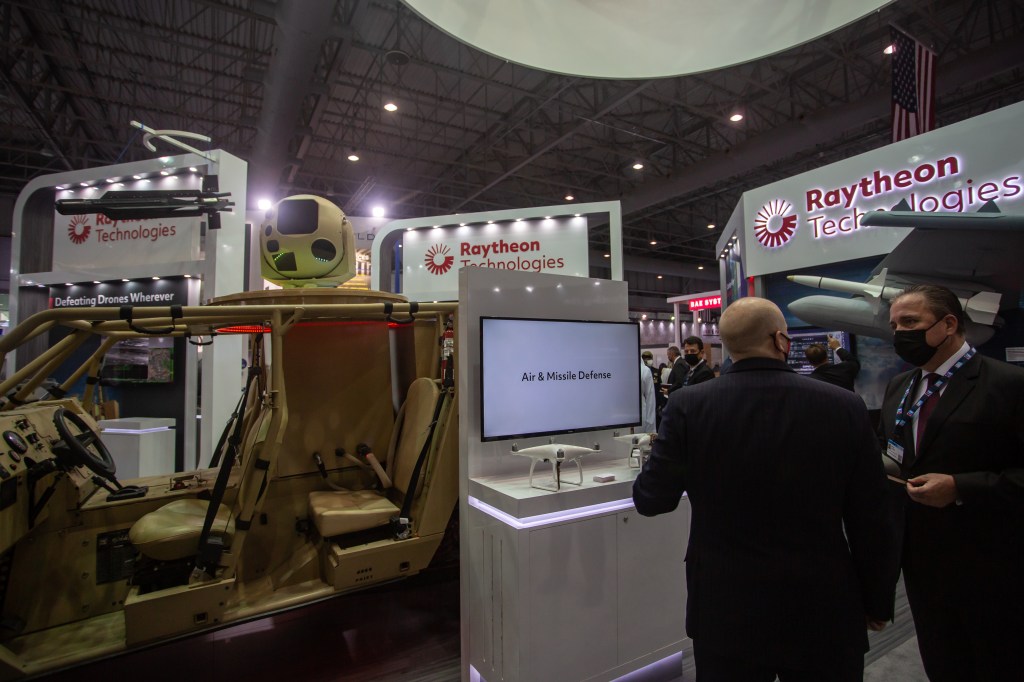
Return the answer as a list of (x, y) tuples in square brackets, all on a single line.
[(557, 454)]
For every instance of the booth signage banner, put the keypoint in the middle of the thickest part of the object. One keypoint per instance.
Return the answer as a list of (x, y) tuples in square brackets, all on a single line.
[(815, 218), (162, 292), (96, 242), (432, 257), (705, 303)]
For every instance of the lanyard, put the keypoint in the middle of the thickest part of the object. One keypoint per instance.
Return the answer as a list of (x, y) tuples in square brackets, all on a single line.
[(902, 420)]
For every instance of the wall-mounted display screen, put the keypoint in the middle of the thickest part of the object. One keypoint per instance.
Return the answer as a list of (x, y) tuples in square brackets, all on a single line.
[(149, 360), (801, 340), (543, 377)]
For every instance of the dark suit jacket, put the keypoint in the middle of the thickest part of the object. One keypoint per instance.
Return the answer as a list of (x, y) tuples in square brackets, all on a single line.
[(775, 465), (678, 373), (701, 373), (976, 434), (841, 374)]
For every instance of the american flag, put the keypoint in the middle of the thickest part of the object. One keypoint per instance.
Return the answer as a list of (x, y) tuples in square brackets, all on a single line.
[(913, 87)]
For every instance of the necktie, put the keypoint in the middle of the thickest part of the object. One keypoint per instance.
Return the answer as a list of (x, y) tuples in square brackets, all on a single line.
[(926, 410)]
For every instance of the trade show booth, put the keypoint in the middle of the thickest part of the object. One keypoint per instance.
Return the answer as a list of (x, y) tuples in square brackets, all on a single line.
[(805, 244)]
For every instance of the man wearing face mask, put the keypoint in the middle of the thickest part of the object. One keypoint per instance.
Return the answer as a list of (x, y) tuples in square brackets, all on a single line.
[(955, 429), (792, 556), (693, 356)]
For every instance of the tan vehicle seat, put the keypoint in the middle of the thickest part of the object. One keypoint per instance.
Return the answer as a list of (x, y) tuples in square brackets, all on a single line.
[(172, 531), (336, 512)]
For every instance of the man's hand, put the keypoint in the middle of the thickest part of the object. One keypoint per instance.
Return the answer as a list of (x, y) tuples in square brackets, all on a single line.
[(875, 625), (933, 490), (833, 343)]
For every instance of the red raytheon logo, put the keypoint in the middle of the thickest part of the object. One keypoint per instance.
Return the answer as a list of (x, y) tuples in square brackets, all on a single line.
[(439, 259), (79, 229), (773, 227)]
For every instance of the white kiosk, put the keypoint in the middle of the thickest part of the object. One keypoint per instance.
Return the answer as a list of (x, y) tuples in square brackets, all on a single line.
[(571, 584)]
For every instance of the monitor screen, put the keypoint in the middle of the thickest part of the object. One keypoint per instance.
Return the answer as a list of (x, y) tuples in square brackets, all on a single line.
[(801, 340), (542, 377)]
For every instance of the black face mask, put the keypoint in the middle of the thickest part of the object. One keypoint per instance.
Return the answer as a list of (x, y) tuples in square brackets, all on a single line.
[(913, 347), (691, 360)]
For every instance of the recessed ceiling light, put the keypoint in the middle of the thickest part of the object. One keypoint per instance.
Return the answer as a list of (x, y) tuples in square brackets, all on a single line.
[(187, 276), (156, 278), (353, 157), (577, 214), (569, 197), (607, 255), (736, 118), (638, 166), (711, 226), (61, 187), (659, 276), (84, 184), (547, 217), (378, 211), (653, 242), (125, 279), (95, 281), (889, 49), (490, 222), (111, 179), (462, 224), (67, 284), (700, 267), (264, 204), (193, 169), (390, 106), (165, 172), (137, 176)]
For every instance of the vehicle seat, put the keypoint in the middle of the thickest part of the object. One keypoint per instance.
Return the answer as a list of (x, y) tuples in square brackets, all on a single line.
[(172, 531), (336, 512)]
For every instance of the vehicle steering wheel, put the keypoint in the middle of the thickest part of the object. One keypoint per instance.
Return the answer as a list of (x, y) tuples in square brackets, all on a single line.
[(83, 447)]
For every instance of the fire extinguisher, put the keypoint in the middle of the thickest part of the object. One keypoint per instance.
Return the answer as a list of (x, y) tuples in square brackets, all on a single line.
[(448, 353)]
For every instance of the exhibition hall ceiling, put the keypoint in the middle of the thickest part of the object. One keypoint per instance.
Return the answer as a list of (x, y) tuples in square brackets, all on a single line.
[(296, 88)]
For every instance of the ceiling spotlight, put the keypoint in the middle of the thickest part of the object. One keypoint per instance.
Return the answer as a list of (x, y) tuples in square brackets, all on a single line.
[(378, 211), (111, 179), (644, 316), (736, 118), (124, 279), (547, 217), (137, 176), (155, 277), (165, 172), (569, 197), (353, 157), (889, 49), (638, 166), (390, 106), (462, 224), (490, 222), (193, 169), (68, 284), (607, 255), (659, 276), (711, 226), (95, 281), (84, 184), (653, 242), (577, 214), (264, 204), (700, 267), (436, 227), (61, 187), (187, 276)]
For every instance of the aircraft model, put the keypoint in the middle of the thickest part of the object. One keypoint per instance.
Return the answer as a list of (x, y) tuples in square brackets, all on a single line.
[(976, 255), (95, 565)]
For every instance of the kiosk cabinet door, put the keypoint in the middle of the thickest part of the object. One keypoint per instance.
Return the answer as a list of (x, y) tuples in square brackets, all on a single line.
[(652, 580)]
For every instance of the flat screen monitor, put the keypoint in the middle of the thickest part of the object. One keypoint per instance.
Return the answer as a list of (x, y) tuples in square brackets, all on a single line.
[(544, 377), (803, 339)]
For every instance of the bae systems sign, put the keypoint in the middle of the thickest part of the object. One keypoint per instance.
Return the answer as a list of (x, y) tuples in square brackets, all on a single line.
[(432, 257), (815, 218)]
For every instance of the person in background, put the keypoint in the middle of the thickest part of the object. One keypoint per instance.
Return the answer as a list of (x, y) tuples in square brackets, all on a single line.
[(648, 401), (792, 556), (678, 372), (955, 429), (659, 397), (693, 356), (842, 373)]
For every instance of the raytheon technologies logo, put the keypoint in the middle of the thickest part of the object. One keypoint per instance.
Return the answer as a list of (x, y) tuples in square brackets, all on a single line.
[(439, 259), (774, 225), (79, 229)]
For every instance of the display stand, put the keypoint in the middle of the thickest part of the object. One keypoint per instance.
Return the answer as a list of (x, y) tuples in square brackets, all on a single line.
[(570, 584), (215, 268), (140, 446)]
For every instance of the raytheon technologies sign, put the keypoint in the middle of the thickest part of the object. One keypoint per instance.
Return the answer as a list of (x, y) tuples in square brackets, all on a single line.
[(815, 218), (431, 258)]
